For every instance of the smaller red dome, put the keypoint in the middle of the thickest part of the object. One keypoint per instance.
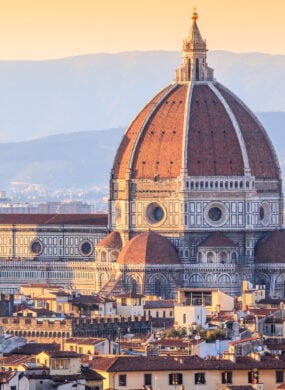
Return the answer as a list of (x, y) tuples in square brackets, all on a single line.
[(148, 248), (271, 248), (112, 240)]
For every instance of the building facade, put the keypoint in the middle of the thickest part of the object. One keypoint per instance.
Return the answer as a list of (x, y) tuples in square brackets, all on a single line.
[(195, 201)]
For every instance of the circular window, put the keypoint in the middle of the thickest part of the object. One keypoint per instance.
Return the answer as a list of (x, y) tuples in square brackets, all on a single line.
[(216, 214), (36, 247), (86, 248), (155, 214)]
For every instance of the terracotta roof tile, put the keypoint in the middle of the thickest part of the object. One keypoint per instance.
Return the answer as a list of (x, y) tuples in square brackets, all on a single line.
[(218, 240), (125, 149), (54, 219), (35, 348), (262, 158), (112, 240), (148, 248), (159, 150), (159, 304), (271, 248), (213, 147)]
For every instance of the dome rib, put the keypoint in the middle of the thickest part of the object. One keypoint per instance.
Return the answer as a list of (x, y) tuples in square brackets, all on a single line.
[(235, 126), (122, 156), (213, 146), (159, 147), (262, 157)]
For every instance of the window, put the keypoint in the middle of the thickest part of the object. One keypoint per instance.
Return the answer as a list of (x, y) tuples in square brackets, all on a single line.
[(227, 377), (147, 379), (200, 378), (279, 376), (253, 376), (122, 380), (175, 379)]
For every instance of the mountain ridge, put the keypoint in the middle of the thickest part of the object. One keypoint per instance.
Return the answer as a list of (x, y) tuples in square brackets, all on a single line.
[(105, 90)]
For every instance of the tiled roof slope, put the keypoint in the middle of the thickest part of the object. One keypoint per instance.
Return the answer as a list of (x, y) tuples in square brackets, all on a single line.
[(159, 150), (271, 248), (218, 240), (213, 147), (262, 159), (155, 141), (143, 363), (148, 248), (125, 149), (112, 240), (54, 219)]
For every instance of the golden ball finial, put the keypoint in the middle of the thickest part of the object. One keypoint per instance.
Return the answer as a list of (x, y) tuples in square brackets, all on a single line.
[(194, 15)]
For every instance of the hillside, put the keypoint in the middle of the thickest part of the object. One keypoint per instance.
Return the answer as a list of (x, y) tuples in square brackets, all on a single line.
[(102, 91), (82, 161)]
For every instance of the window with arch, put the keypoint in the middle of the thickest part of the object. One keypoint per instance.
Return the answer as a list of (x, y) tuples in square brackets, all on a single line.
[(223, 257), (234, 256), (210, 257), (197, 69), (157, 288), (189, 69), (196, 278), (224, 279), (200, 257), (114, 256), (103, 256), (209, 278)]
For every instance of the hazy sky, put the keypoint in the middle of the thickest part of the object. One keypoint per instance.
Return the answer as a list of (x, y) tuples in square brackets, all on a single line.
[(39, 29)]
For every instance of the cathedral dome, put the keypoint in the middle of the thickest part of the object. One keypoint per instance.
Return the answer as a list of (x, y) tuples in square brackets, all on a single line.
[(271, 248), (195, 126), (148, 248)]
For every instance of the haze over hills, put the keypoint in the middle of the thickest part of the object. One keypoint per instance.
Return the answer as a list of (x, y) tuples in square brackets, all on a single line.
[(53, 112), (80, 163), (102, 91)]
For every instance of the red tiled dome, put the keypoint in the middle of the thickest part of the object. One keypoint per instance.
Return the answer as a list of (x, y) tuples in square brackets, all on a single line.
[(221, 136), (271, 248), (148, 248), (112, 240)]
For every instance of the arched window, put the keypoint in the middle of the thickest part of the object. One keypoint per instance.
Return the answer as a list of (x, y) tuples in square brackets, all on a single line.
[(157, 288), (133, 286), (195, 278), (224, 279), (200, 257), (189, 69), (114, 256), (223, 257), (234, 256), (209, 278), (210, 257), (103, 256), (197, 69)]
